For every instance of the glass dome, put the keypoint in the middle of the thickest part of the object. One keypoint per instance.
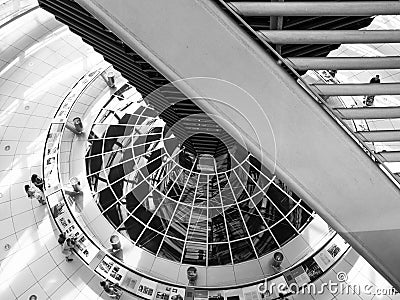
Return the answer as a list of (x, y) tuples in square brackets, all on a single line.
[(193, 208)]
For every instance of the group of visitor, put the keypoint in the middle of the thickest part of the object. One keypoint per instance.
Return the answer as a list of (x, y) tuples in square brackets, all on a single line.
[(36, 190), (67, 245)]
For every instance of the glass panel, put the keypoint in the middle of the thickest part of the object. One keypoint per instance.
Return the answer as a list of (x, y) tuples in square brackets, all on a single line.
[(142, 147), (224, 162), (167, 182), (217, 228), (96, 148), (142, 214), (146, 165), (153, 202), (154, 161), (117, 188), (242, 251), (270, 214), (135, 197), (299, 217), (112, 158), (98, 131), (150, 240), (280, 199), (202, 190), (198, 225), (107, 117), (117, 131), (98, 181), (256, 181), (190, 187), (122, 209), (304, 205), (171, 249), (133, 227), (283, 232), (235, 224), (219, 254), (163, 216), (138, 142), (195, 254), (251, 216), (106, 198), (242, 171), (186, 159), (112, 104), (214, 202), (264, 243), (226, 192), (179, 224), (238, 186), (158, 224), (116, 173), (111, 212), (141, 188), (256, 193), (214, 199)]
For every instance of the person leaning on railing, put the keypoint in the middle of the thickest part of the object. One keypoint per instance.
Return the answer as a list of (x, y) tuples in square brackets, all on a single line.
[(37, 181), (67, 244), (111, 289), (33, 193), (369, 100)]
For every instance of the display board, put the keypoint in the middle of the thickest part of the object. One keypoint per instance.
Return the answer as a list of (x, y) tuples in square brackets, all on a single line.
[(50, 161), (111, 270), (84, 248), (65, 108)]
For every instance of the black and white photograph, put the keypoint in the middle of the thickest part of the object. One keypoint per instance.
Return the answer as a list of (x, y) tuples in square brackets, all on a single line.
[(199, 149)]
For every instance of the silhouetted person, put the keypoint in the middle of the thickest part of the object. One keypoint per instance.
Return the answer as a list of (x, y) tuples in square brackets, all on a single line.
[(375, 79), (34, 194), (332, 72), (110, 289), (37, 181), (67, 244), (369, 100), (201, 254)]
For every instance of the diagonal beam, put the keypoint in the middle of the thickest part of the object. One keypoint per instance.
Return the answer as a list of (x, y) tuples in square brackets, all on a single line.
[(330, 36), (379, 136), (344, 63), (368, 113), (356, 89), (327, 8), (389, 156)]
